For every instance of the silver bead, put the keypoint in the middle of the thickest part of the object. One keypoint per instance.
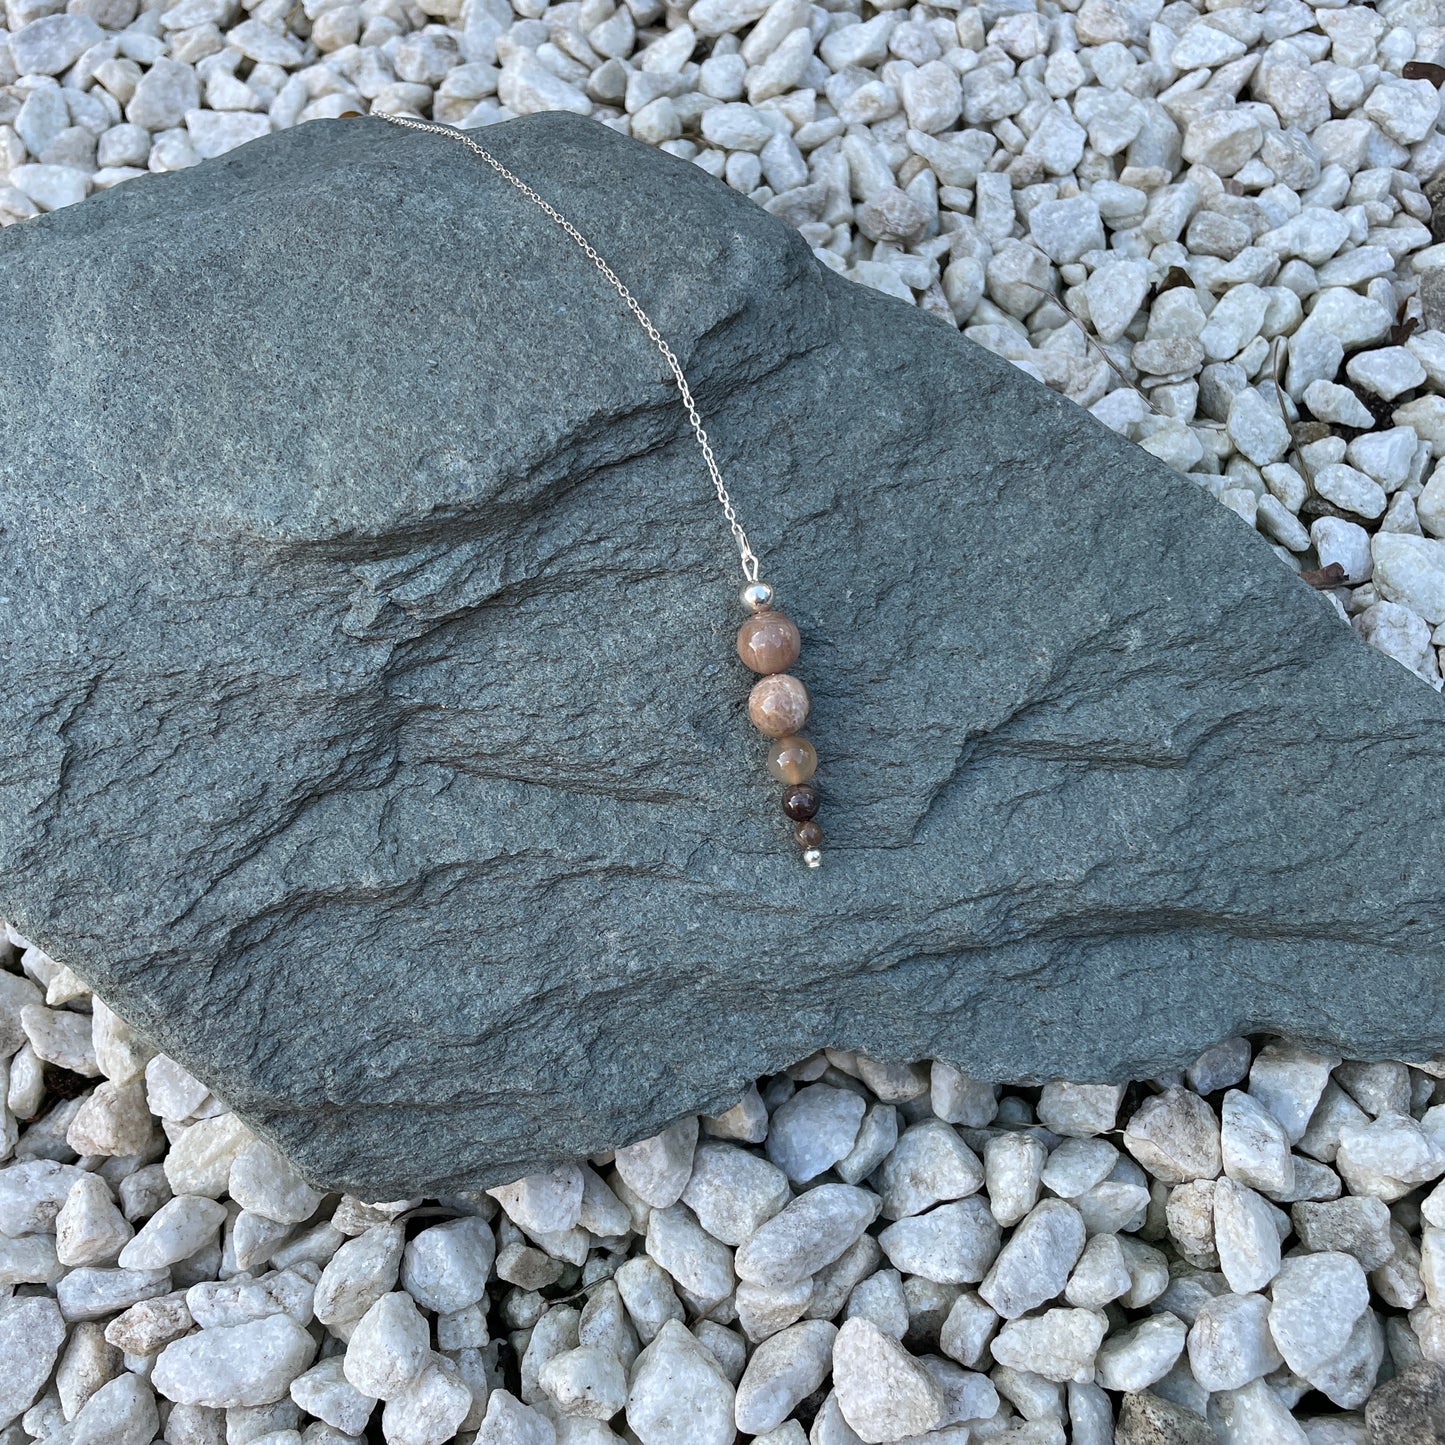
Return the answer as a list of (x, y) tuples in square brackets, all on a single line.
[(812, 857), (757, 596)]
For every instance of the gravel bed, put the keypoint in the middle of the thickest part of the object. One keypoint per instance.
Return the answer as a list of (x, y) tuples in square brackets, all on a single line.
[(1209, 223), (1250, 1252)]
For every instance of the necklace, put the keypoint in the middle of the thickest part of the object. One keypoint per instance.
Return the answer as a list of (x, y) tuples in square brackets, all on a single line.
[(768, 640)]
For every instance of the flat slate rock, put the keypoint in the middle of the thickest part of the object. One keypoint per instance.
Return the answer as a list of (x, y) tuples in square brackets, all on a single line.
[(375, 739)]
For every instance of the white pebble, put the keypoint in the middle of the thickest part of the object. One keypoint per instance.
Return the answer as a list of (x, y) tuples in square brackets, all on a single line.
[(1257, 428), (813, 1130), (1288, 1079), (1245, 1237), (1064, 230), (201, 1154), (1223, 140), (1257, 1413), (213, 133), (932, 96), (445, 1268), (657, 1169), (1254, 1145), (1315, 1301), (112, 1120), (732, 1192), (249, 1364), (1135, 1358), (1115, 292), (543, 1203), (57, 1035), (1079, 1110), (1405, 110), (736, 126), (647, 1291), (325, 1392), (783, 1371), (811, 1232), (388, 1348), (1386, 372), (1059, 1344), (89, 1228), (509, 1422), (679, 1392), (929, 1164), (1411, 571), (359, 1273), (697, 1262), (883, 1393), (177, 1230), (587, 1382), (1175, 1136), (1384, 455), (31, 1259), (237, 1301), (122, 1411), (31, 1334), (51, 43), (877, 1135), (1013, 1169), (1230, 1343), (1034, 1265), (91, 1293), (264, 1182), (171, 1091), (1101, 1275), (952, 1244), (430, 1409)]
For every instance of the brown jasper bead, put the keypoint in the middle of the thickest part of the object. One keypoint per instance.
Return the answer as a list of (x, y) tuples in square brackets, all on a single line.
[(809, 834), (779, 705), (801, 803), (792, 760), (768, 642)]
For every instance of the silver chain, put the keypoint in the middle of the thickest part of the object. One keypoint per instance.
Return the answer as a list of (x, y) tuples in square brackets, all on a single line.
[(749, 560)]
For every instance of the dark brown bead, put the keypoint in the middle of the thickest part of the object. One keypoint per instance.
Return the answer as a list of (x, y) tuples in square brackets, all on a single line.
[(809, 834), (801, 803)]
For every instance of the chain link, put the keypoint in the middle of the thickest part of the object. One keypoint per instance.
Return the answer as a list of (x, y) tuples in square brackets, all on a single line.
[(749, 560)]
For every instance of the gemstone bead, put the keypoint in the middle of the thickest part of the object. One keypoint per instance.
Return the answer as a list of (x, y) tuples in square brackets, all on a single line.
[(768, 642), (779, 705), (809, 834), (801, 803), (792, 760)]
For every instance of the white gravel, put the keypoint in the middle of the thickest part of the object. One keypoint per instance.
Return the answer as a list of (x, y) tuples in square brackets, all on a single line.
[(1256, 1245)]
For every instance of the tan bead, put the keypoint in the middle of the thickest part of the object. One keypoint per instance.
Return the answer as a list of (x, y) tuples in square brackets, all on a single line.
[(768, 642), (779, 705), (792, 760)]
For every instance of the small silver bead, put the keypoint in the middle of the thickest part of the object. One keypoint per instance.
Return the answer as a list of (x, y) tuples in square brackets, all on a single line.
[(757, 596), (812, 857)]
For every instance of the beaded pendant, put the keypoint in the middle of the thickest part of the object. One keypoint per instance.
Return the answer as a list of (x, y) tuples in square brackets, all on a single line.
[(768, 642)]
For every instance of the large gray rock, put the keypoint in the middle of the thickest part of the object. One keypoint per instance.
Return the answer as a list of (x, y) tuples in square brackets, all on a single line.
[(375, 738)]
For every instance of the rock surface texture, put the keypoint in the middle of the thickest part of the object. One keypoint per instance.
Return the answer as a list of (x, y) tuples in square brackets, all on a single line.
[(381, 749)]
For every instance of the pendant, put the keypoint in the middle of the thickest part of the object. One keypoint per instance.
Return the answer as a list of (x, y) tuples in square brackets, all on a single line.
[(768, 642)]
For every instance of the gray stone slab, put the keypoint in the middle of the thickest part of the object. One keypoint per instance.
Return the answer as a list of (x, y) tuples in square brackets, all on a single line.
[(376, 740)]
